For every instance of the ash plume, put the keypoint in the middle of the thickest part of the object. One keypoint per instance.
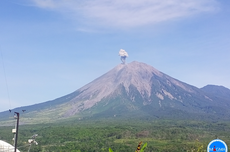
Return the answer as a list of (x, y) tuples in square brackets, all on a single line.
[(123, 55)]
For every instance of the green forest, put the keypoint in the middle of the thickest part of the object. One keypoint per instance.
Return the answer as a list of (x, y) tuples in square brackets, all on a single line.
[(119, 135)]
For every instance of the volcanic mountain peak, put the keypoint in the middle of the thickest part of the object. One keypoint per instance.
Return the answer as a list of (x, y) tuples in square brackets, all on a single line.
[(136, 75), (136, 88)]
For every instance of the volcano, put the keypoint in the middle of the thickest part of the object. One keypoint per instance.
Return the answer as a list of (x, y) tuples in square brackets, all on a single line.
[(131, 90)]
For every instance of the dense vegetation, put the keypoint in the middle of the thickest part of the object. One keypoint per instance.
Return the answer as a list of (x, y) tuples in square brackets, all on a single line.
[(120, 135)]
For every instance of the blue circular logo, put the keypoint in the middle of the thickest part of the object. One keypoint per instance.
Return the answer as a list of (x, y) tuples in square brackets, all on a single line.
[(217, 145)]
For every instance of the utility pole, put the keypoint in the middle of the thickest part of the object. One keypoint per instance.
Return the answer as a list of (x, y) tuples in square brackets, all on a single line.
[(16, 127)]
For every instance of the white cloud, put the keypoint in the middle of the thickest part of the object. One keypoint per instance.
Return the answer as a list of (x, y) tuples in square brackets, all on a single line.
[(127, 13)]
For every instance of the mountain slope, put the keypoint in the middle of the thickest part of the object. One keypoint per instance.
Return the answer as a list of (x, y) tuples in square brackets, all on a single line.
[(141, 85), (130, 90), (218, 91)]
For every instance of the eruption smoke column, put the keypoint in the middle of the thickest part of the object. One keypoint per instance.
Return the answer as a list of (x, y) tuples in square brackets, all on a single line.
[(123, 55)]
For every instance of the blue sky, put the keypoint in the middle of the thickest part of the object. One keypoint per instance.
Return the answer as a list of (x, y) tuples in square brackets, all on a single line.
[(50, 48)]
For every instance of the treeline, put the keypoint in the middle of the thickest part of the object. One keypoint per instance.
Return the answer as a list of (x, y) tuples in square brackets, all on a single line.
[(120, 136)]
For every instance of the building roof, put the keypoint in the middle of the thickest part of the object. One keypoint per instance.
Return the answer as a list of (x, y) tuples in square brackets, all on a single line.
[(6, 147)]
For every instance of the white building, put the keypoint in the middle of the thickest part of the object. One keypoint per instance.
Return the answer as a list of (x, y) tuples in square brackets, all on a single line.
[(6, 147)]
